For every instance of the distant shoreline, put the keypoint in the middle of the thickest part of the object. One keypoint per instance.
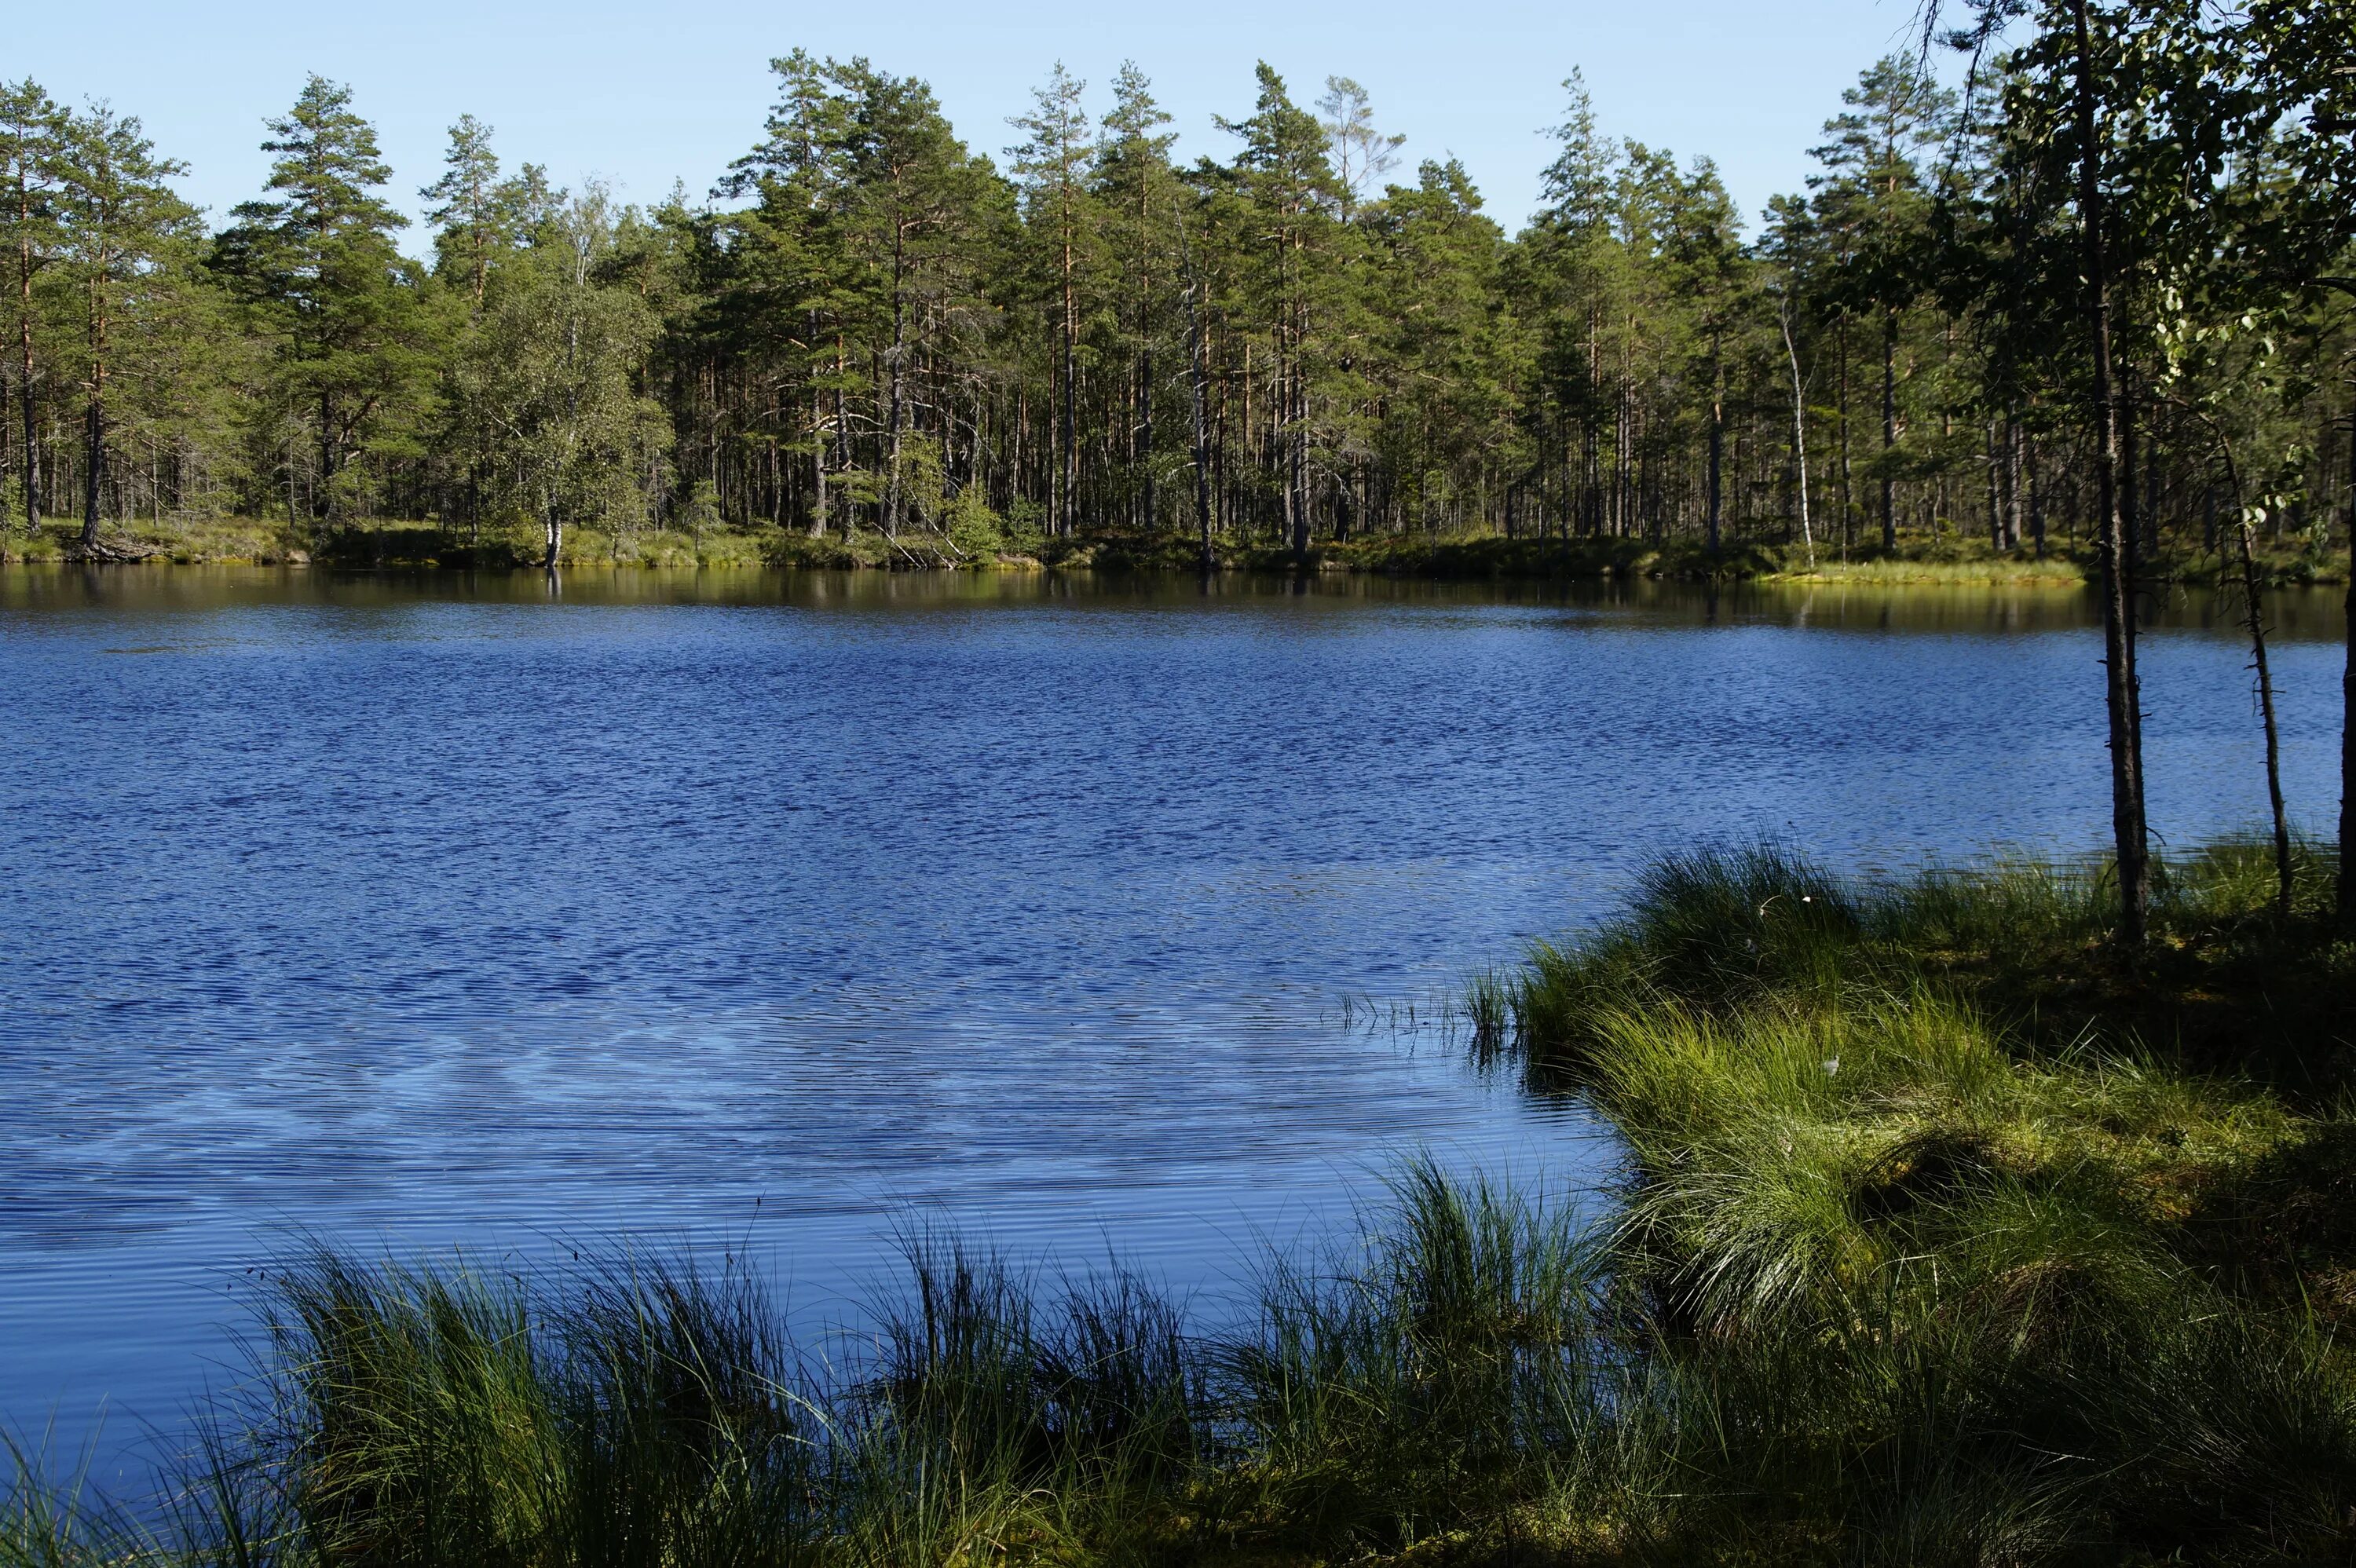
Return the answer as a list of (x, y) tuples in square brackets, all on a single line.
[(1945, 562)]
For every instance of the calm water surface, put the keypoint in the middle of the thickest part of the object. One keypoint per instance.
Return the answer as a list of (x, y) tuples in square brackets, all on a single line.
[(755, 913)]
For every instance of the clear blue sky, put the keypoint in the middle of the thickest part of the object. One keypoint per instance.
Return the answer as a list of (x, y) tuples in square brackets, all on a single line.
[(643, 94)]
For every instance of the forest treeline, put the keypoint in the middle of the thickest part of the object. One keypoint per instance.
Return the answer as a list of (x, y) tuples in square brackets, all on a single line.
[(868, 324)]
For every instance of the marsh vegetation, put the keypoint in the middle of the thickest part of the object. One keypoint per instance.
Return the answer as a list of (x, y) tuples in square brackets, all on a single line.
[(1949, 1231)]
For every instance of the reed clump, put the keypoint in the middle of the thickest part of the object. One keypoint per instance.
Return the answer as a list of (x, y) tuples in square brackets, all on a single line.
[(1947, 1233), (1397, 1393)]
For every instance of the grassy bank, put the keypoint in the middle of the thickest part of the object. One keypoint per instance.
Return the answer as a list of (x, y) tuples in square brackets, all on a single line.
[(373, 543), (388, 543), (1970, 562), (1950, 560), (1947, 1234), (1975, 1239)]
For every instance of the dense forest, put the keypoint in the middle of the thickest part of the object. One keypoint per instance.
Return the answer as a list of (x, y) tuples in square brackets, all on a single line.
[(869, 326)]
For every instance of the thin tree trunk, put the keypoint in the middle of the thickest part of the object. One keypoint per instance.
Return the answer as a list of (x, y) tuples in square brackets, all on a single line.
[(2130, 461), (2255, 621), (1716, 445), (1799, 433), (25, 363), (2347, 708), (898, 401), (323, 505), (1848, 501), (7, 457), (94, 423), (2123, 698), (1591, 474), (1195, 375), (1995, 477), (842, 423), (1888, 431), (1144, 439), (817, 519), (817, 464), (1069, 411), (2013, 444), (2036, 495), (1141, 461)]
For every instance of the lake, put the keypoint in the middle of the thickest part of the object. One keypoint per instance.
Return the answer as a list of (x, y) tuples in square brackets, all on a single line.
[(769, 915)]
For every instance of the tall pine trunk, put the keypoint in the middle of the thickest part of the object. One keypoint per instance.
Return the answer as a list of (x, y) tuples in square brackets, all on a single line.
[(7, 456), (94, 417), (25, 362), (1195, 375), (2015, 447), (1145, 356), (1716, 442), (817, 519), (1848, 501), (323, 505), (818, 463), (897, 401), (1145, 422), (1888, 430), (1068, 412)]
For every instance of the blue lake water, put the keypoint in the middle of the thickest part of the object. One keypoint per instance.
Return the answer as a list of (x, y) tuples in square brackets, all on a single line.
[(756, 913)]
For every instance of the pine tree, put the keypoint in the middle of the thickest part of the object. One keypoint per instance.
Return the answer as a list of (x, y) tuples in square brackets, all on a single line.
[(1701, 253), (120, 217), (472, 213), (1054, 167), (921, 220), (1569, 273), (1362, 155), (317, 263), (782, 299), (1137, 185), (34, 135), (1292, 198), (1439, 349), (1874, 197)]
